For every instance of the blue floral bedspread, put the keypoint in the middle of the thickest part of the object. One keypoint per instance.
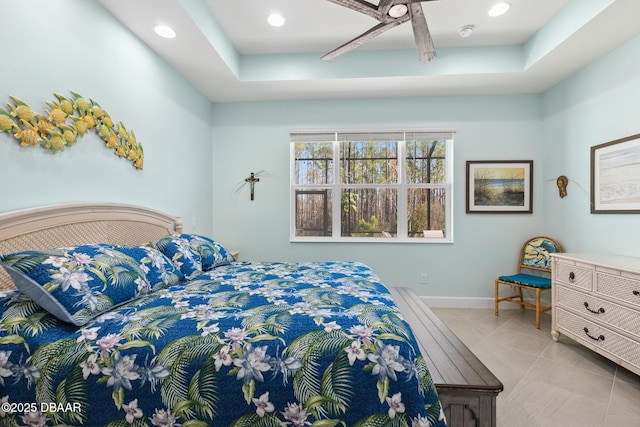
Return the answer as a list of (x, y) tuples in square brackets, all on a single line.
[(245, 344)]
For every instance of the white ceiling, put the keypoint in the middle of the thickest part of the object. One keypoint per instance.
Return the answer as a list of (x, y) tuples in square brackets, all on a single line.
[(226, 49)]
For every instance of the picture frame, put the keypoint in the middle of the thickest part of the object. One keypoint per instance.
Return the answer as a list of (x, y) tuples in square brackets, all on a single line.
[(499, 186), (615, 176)]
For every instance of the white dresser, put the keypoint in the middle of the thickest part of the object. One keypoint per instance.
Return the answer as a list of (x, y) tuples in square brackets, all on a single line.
[(596, 301)]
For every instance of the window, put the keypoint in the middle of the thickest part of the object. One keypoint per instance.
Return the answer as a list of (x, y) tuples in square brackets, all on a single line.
[(373, 186)]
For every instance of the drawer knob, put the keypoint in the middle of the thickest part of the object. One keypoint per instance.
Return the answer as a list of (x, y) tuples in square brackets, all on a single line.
[(572, 276), (599, 338), (600, 310)]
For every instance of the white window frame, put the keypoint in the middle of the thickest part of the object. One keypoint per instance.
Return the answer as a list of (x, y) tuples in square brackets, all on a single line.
[(402, 187)]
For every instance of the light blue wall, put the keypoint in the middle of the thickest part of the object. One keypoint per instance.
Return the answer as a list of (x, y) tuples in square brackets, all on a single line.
[(249, 137), (75, 45), (599, 104), (555, 129)]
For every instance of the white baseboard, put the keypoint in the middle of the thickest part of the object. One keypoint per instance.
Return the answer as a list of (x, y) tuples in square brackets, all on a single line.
[(467, 302), (459, 302)]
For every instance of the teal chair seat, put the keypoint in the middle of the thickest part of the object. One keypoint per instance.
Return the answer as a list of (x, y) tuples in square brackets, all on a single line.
[(527, 279)]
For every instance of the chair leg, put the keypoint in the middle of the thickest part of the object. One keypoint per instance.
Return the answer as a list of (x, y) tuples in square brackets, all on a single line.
[(496, 297), (521, 297), (538, 308)]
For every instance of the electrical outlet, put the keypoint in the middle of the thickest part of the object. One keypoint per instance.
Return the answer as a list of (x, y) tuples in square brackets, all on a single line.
[(423, 278)]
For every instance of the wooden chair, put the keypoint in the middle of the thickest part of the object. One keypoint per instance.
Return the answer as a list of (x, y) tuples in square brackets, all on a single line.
[(534, 273)]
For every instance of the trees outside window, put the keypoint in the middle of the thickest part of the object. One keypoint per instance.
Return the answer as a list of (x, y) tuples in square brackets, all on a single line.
[(387, 186)]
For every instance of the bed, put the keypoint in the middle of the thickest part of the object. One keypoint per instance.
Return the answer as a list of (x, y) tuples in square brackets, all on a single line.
[(121, 319)]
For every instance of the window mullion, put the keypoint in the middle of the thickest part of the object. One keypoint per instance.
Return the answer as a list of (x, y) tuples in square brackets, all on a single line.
[(336, 216), (449, 189), (402, 229)]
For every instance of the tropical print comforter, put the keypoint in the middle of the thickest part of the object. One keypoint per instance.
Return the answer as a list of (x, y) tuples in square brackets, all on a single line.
[(245, 344)]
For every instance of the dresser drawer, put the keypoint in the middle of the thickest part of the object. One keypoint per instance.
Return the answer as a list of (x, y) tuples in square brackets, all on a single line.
[(619, 287), (592, 334), (573, 275), (591, 307)]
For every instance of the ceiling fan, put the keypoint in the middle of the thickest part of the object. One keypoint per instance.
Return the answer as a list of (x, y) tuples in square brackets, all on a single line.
[(390, 13)]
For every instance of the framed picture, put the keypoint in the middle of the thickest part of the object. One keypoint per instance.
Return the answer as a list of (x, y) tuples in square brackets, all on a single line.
[(615, 176), (500, 186)]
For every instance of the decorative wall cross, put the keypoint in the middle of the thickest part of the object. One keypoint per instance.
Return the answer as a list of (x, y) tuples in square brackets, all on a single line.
[(252, 181)]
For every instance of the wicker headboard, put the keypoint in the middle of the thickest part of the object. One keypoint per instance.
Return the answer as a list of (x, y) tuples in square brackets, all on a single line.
[(80, 223)]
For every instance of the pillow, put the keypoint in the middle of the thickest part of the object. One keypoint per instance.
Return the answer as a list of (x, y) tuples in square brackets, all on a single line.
[(159, 269), (193, 254), (75, 284), (213, 254)]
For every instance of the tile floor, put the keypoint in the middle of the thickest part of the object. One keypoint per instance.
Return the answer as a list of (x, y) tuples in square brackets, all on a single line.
[(546, 383)]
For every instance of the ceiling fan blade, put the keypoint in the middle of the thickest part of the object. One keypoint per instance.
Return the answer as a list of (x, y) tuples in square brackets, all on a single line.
[(424, 42), (361, 6), (362, 38)]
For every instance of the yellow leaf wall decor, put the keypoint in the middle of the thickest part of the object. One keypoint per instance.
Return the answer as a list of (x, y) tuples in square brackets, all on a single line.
[(65, 121)]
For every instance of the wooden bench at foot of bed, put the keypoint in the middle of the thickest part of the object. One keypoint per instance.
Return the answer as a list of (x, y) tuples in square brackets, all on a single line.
[(466, 387)]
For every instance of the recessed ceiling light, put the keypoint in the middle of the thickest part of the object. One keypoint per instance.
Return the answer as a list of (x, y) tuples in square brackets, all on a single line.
[(466, 31), (276, 20), (499, 8), (164, 31)]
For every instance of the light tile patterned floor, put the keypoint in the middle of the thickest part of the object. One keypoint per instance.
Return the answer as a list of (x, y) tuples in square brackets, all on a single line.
[(546, 383)]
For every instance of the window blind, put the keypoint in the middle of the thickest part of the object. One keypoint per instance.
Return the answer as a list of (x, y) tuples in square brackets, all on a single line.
[(409, 135)]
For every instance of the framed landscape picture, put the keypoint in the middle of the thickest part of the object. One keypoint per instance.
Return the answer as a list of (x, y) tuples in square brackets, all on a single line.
[(499, 186), (615, 176)]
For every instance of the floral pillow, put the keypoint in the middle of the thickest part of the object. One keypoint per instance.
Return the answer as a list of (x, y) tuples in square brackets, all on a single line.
[(75, 284), (159, 269), (193, 254)]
